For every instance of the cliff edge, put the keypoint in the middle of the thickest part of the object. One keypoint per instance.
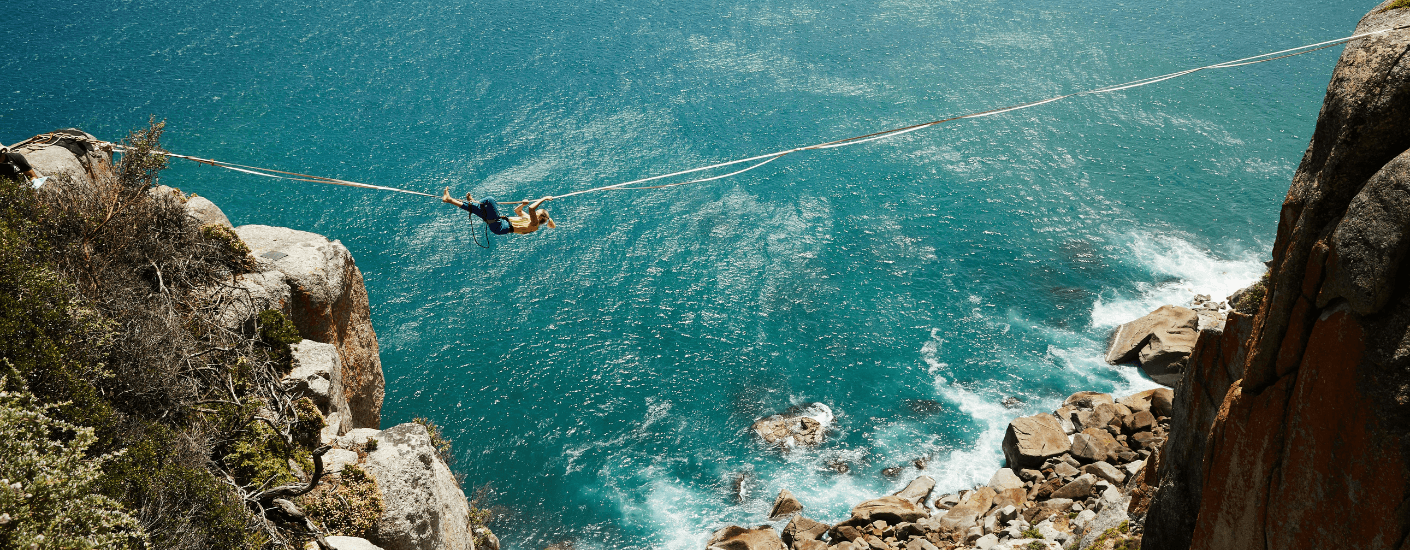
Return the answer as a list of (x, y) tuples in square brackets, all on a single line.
[(1291, 426)]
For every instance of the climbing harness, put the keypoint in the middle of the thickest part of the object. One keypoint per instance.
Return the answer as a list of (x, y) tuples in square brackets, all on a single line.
[(759, 161)]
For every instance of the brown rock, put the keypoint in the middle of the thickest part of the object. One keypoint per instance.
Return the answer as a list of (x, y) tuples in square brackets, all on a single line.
[(1086, 400), (1093, 445), (1140, 422), (963, 515), (735, 537), (784, 505), (1032, 439), (809, 545), (801, 529), (1160, 341), (1078, 489), (890, 509)]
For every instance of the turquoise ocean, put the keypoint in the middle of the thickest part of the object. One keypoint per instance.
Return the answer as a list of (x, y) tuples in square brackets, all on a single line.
[(601, 378)]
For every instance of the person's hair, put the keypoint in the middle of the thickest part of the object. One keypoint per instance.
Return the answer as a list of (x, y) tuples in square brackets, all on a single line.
[(543, 216)]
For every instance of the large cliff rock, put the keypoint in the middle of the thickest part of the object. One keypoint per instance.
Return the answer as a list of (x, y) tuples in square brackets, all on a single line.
[(1308, 448), (327, 301), (425, 506)]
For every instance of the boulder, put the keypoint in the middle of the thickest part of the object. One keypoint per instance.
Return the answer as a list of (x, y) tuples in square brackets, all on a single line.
[(318, 375), (735, 537), (76, 160), (806, 426), (1162, 402), (784, 505), (1105, 471), (1110, 517), (800, 529), (1078, 489), (1063, 469), (1161, 342), (809, 545), (1086, 400), (1139, 422), (1138, 402), (206, 212), (1032, 439), (1015, 497), (963, 515), (1005, 479), (425, 508), (918, 489), (335, 459), (344, 543), (1101, 415), (1093, 445), (328, 303), (890, 509)]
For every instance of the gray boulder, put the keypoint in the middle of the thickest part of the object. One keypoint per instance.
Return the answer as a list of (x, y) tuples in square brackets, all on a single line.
[(328, 303), (206, 212), (75, 160), (1110, 517), (918, 489), (1105, 471), (318, 375), (425, 507), (1032, 439), (801, 528), (1004, 479), (345, 543)]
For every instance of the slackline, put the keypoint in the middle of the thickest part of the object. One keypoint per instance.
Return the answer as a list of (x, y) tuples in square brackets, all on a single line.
[(758, 161)]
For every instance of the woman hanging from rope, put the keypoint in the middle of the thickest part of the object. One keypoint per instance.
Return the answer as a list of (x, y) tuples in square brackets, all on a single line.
[(488, 210)]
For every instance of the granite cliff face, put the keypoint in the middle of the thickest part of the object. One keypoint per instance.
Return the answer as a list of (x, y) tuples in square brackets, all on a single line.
[(1291, 428)]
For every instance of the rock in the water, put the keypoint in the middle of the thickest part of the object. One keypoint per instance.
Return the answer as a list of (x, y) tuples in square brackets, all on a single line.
[(1086, 400), (735, 537), (784, 505), (1032, 439), (805, 427), (425, 509), (801, 528), (328, 303), (890, 509), (918, 490), (1161, 341)]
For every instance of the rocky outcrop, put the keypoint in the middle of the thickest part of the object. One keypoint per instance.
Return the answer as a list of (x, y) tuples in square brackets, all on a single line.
[(318, 375), (327, 301), (1059, 501), (1161, 342), (1032, 439), (425, 507), (1307, 446), (804, 426), (739, 538), (76, 160)]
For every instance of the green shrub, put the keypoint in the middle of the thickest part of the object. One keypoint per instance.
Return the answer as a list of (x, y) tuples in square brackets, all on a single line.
[(1248, 300), (350, 505), (47, 499), (1398, 4), (1032, 533), (225, 238), (438, 439)]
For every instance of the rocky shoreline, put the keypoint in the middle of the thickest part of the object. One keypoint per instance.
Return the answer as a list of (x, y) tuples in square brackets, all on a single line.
[(1074, 479)]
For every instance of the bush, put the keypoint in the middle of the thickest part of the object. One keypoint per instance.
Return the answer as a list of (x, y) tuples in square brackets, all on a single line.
[(47, 499), (438, 439), (1398, 4), (1248, 299), (349, 506)]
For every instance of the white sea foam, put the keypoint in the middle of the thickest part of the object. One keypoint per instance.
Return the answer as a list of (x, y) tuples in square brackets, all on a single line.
[(1191, 271)]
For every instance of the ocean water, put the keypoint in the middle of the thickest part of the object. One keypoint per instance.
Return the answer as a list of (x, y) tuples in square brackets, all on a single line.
[(600, 378)]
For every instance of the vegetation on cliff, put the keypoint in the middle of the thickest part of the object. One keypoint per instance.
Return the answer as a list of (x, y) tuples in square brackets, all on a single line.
[(116, 355)]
